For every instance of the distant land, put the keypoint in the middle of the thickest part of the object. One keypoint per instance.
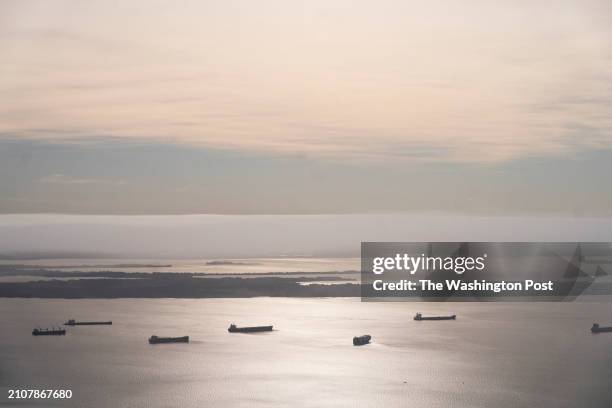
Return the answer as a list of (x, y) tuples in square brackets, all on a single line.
[(223, 262), (46, 283), (40, 271), (179, 285), (40, 255), (114, 284), (23, 267)]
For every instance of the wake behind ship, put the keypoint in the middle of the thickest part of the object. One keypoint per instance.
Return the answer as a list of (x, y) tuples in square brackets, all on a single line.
[(253, 329)]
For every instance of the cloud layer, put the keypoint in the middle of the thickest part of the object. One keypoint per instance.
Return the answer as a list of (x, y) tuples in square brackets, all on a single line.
[(377, 81)]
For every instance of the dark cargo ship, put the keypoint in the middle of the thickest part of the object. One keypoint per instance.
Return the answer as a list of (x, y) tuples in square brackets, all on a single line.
[(361, 340), (47, 332), (419, 317), (73, 322), (161, 340), (598, 329), (254, 329)]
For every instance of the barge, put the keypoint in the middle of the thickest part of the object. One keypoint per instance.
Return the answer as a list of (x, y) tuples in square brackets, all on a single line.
[(48, 332), (160, 340), (419, 317), (361, 340), (253, 329), (73, 322), (599, 329)]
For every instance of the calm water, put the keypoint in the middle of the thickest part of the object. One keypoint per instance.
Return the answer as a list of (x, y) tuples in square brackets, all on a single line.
[(501, 355)]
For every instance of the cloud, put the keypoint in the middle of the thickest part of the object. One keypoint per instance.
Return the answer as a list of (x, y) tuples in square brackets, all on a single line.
[(486, 83)]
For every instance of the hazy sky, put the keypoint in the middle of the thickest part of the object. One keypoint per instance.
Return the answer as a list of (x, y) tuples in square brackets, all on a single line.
[(213, 236), (306, 107)]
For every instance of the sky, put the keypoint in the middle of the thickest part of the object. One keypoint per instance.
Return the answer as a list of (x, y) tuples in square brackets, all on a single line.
[(287, 107), (30, 236)]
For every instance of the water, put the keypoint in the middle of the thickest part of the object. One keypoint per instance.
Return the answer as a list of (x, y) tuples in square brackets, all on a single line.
[(502, 355)]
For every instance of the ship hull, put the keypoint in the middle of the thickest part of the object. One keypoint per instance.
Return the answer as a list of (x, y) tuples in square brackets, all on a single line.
[(453, 317), (361, 340), (256, 329), (87, 323), (602, 330), (48, 332), (163, 340)]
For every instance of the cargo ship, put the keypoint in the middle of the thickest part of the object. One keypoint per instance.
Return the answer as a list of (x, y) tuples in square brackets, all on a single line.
[(254, 329), (48, 332), (361, 340), (160, 340), (598, 329), (420, 317), (73, 322)]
